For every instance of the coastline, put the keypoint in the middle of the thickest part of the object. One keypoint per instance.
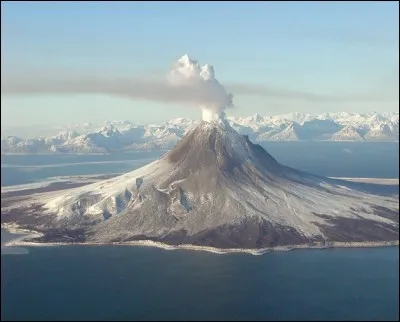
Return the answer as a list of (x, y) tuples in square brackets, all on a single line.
[(20, 242)]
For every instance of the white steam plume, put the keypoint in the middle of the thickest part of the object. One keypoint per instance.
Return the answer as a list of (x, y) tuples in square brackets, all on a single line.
[(189, 72), (186, 83)]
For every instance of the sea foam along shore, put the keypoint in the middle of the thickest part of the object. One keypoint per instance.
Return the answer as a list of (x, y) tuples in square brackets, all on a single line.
[(149, 243)]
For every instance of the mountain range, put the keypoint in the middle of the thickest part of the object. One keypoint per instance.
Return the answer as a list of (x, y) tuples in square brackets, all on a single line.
[(121, 136)]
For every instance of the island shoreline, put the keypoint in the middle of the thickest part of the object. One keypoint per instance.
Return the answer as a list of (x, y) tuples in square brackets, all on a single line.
[(21, 242)]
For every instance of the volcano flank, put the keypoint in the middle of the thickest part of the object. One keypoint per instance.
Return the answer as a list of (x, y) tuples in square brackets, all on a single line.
[(214, 188)]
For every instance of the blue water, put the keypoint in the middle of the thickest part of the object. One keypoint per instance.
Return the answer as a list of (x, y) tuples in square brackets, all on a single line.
[(133, 283), (339, 159)]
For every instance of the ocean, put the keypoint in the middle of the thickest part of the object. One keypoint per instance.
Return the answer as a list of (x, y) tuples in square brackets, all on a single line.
[(142, 283)]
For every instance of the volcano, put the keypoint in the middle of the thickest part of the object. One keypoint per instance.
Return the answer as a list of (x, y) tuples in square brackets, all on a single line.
[(214, 188)]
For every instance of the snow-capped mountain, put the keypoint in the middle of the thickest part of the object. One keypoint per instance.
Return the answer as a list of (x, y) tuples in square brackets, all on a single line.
[(348, 133), (289, 133), (127, 136), (65, 136), (9, 142), (214, 188)]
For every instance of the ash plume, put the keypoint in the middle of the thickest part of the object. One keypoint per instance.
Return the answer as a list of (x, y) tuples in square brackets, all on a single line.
[(186, 83)]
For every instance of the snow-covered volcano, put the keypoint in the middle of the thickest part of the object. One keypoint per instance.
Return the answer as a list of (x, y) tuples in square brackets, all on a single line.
[(215, 188)]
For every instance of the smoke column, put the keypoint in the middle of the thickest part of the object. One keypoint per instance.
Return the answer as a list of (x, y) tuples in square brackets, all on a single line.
[(188, 72), (187, 83)]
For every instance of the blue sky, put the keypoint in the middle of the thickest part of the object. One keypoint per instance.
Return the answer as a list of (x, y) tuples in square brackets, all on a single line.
[(337, 49)]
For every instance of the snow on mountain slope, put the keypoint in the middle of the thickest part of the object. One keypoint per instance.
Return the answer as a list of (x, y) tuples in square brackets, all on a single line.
[(125, 135), (214, 188), (9, 142), (348, 133), (290, 133), (109, 131), (394, 119), (84, 144), (381, 132), (65, 136)]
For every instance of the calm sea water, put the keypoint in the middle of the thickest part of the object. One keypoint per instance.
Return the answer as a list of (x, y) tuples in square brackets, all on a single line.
[(135, 283)]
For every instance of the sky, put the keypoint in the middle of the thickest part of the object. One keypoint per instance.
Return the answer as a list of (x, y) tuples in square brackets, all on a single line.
[(344, 52)]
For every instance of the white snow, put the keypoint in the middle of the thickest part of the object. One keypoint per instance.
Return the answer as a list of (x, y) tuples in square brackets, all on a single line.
[(348, 133)]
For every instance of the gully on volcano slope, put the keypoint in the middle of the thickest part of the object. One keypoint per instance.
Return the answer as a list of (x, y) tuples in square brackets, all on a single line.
[(214, 188)]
